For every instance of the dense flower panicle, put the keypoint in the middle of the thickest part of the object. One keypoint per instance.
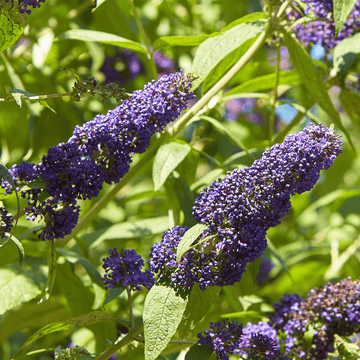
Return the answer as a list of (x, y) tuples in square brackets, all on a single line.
[(125, 270), (6, 221), (25, 3), (240, 208), (329, 310), (223, 338), (322, 32), (98, 151)]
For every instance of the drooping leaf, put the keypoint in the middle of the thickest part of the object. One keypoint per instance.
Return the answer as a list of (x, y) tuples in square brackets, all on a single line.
[(350, 102), (342, 9), (113, 294), (21, 284), (168, 157), (199, 304), (198, 352), (189, 237), (345, 54), (313, 81), (104, 38), (214, 49), (163, 311)]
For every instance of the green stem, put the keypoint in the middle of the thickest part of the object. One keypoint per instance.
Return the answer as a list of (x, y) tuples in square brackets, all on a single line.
[(274, 97), (128, 290), (125, 341), (175, 130), (150, 53)]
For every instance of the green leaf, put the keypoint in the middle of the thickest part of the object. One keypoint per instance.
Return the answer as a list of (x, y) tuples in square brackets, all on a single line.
[(309, 335), (199, 304), (346, 349), (128, 230), (266, 82), (163, 311), (214, 49), (245, 19), (189, 237), (18, 245), (69, 325), (194, 40), (207, 179), (104, 38), (350, 102), (345, 54), (52, 269), (198, 352), (21, 284), (12, 23), (342, 9), (17, 94), (113, 294), (168, 157), (37, 184), (312, 79), (247, 300)]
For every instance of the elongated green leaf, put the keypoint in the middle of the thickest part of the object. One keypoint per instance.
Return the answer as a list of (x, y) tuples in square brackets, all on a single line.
[(189, 237), (345, 54), (163, 311), (350, 102), (168, 157), (313, 81), (207, 179), (214, 49), (113, 294), (69, 325), (198, 352), (199, 304), (266, 82), (21, 284), (245, 19), (194, 40), (128, 230), (342, 9), (104, 38)]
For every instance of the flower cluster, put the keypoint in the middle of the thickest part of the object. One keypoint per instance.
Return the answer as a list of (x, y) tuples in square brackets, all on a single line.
[(222, 338), (98, 151), (333, 309), (323, 31), (25, 3), (126, 270), (240, 208), (6, 221)]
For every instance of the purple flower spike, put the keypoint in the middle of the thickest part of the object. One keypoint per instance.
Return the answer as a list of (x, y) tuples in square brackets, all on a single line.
[(6, 221), (126, 270), (222, 338)]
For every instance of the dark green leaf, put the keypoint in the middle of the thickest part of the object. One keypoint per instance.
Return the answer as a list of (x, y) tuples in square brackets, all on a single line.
[(214, 49), (18, 245), (168, 157), (198, 352), (345, 54), (350, 102), (189, 237), (342, 9), (113, 294), (104, 38), (163, 311)]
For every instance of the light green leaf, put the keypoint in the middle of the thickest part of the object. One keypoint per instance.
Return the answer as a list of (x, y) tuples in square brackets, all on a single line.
[(266, 82), (17, 94), (69, 325), (199, 304), (168, 157), (189, 237), (128, 230), (342, 9), (104, 38), (313, 81), (198, 352), (163, 311), (194, 40), (214, 49), (350, 102), (21, 284), (345, 54), (245, 19), (346, 349)]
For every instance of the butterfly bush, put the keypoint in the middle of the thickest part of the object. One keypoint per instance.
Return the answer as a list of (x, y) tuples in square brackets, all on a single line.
[(6, 221), (98, 152), (239, 209), (322, 32), (125, 269), (333, 309)]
